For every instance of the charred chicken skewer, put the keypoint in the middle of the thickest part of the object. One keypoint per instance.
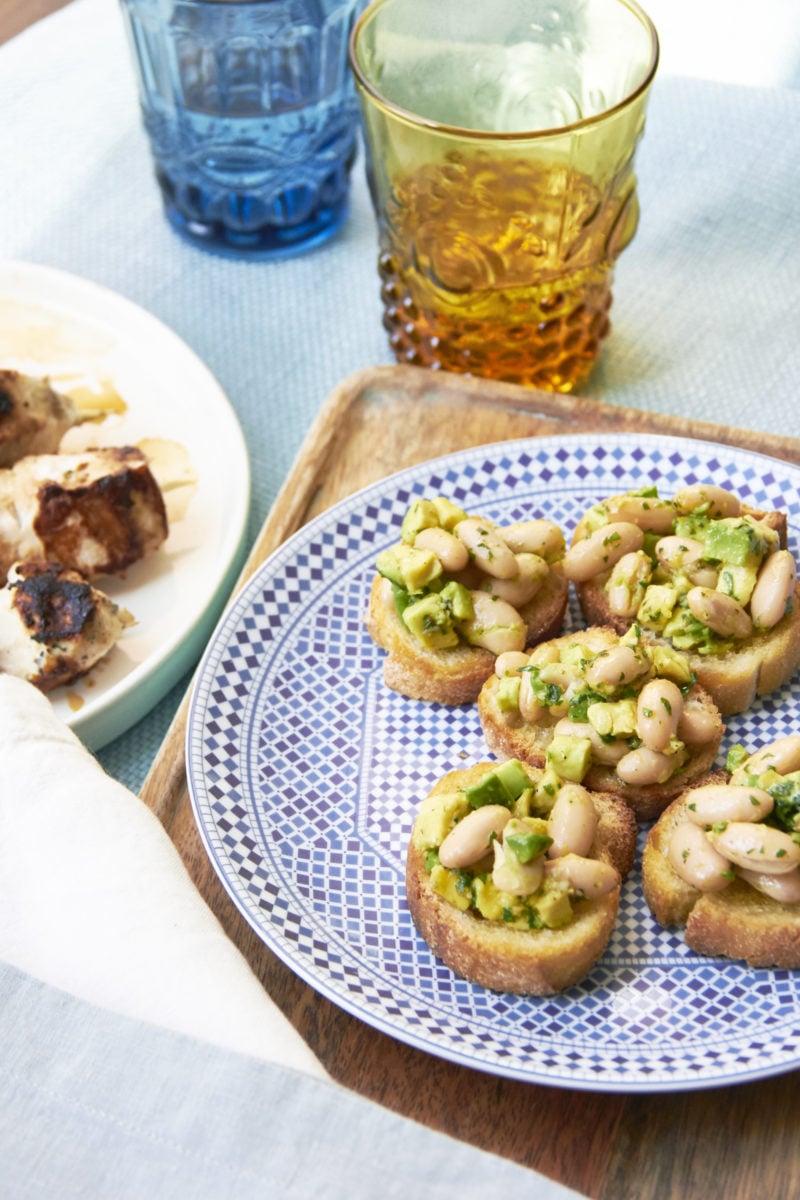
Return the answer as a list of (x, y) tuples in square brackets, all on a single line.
[(54, 625), (96, 512), (34, 416)]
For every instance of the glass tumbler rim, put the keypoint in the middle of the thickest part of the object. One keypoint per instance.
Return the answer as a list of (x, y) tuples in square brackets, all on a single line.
[(492, 135)]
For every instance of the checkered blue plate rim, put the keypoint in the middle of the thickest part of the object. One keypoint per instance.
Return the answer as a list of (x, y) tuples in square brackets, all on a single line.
[(305, 772)]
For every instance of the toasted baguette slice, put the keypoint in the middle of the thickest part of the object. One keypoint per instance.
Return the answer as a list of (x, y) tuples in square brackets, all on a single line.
[(527, 962), (509, 736), (759, 665), (453, 676), (738, 922)]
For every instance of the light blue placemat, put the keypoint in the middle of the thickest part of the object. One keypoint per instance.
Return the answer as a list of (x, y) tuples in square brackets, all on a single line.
[(706, 304)]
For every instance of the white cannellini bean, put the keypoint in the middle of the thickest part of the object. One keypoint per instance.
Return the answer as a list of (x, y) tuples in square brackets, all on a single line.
[(716, 802), (470, 839), (487, 548), (658, 711), (685, 554), (615, 667), (534, 537), (494, 625), (676, 553), (782, 755), (519, 879), (546, 652), (510, 663), (692, 856), (450, 550), (587, 875), (572, 822), (774, 586), (532, 573), (641, 767), (606, 753), (601, 550), (628, 580), (697, 725), (756, 847), (721, 613), (722, 503), (650, 513), (530, 708), (785, 889)]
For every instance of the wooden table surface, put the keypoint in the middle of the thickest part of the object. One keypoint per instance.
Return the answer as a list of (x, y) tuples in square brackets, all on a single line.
[(741, 1143)]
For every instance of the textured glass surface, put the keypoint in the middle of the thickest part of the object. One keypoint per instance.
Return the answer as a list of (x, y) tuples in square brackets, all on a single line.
[(501, 144), (251, 116)]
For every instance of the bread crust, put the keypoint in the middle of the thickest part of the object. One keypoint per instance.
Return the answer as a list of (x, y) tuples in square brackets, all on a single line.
[(509, 736), (737, 923), (453, 676), (762, 663), (526, 962)]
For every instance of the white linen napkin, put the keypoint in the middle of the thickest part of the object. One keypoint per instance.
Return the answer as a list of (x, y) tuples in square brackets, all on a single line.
[(95, 899)]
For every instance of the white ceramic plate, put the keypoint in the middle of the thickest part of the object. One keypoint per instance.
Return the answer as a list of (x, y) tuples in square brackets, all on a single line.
[(53, 323), (306, 772)]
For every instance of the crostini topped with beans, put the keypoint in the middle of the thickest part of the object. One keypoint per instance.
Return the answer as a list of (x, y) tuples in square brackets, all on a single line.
[(456, 591), (620, 714), (701, 572), (514, 883), (724, 859)]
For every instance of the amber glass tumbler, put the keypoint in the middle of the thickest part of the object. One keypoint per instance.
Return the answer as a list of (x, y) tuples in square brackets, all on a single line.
[(500, 156)]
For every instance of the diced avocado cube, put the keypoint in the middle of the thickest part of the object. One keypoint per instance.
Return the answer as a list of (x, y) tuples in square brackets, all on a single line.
[(737, 582), (507, 693), (651, 540), (734, 541), (657, 605), (570, 757), (430, 622), (449, 514), (421, 515), (489, 790), (409, 567), (491, 903), (671, 664), (545, 790), (437, 815), (687, 633), (554, 907), (594, 519), (458, 600), (528, 843), (613, 718), (503, 785), (573, 654), (514, 777), (452, 886), (389, 565)]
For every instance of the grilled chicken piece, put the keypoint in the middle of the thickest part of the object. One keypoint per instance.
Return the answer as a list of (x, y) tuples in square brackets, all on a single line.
[(54, 626), (33, 417), (96, 512)]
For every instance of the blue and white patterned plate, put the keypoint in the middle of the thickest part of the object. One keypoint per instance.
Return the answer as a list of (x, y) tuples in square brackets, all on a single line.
[(305, 773)]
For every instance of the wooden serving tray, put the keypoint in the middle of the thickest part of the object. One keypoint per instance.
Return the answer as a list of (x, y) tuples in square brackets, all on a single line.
[(376, 422)]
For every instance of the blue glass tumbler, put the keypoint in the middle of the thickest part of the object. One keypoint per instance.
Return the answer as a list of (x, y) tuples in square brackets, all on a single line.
[(250, 109)]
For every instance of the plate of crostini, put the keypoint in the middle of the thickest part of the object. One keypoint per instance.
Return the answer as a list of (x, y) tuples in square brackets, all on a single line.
[(129, 381), (306, 773)]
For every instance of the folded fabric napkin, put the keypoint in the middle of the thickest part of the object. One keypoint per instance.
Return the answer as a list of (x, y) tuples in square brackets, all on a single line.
[(94, 898), (96, 902)]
